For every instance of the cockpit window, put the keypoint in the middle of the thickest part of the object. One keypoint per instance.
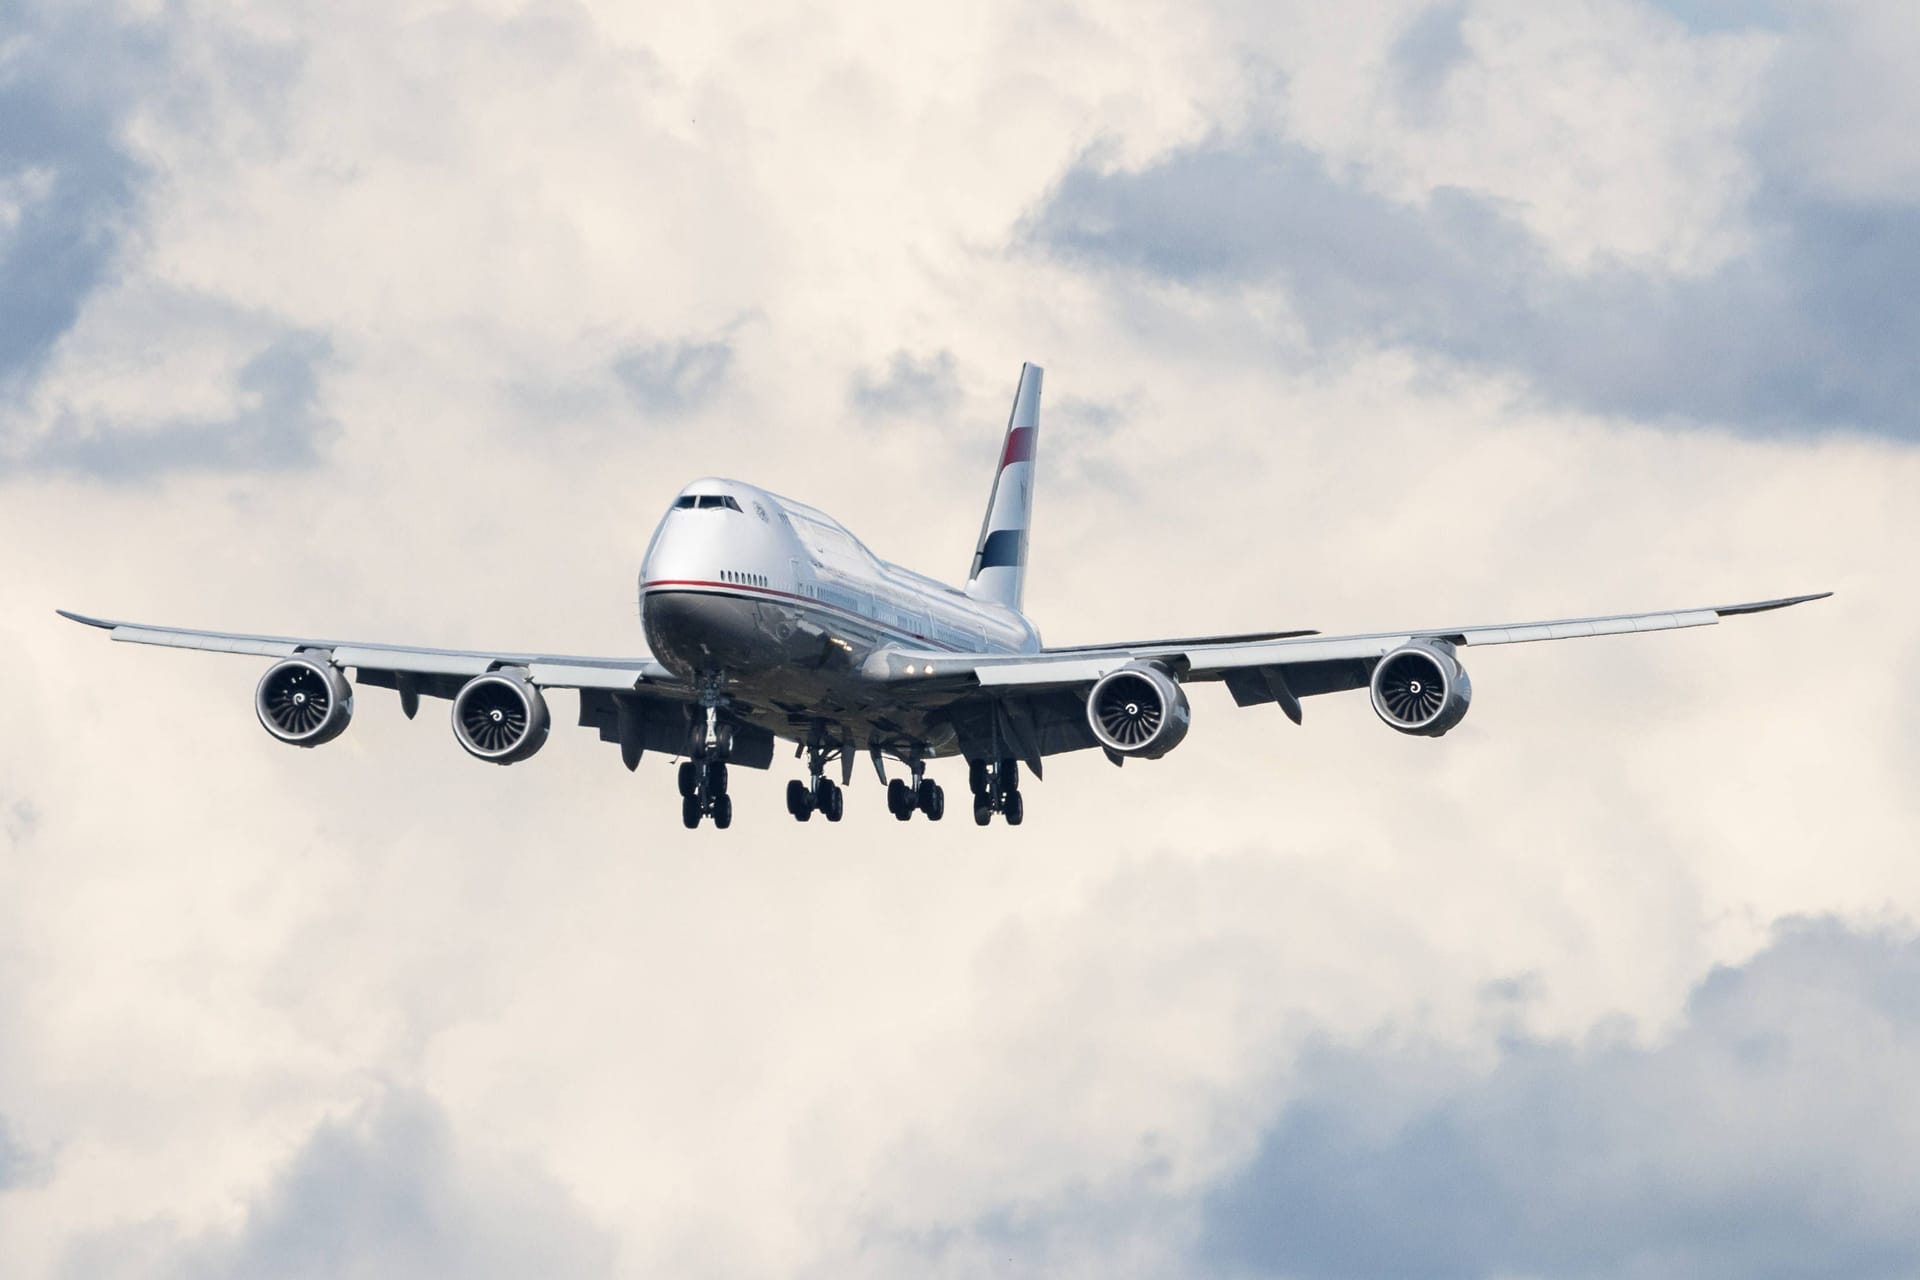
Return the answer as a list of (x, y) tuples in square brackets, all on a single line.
[(689, 500)]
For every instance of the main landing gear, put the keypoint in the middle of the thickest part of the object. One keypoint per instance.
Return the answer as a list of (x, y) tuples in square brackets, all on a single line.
[(819, 794), (923, 794), (703, 778), (996, 789)]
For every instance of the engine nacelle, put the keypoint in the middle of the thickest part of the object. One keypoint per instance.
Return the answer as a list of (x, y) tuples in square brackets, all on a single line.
[(500, 717), (1421, 688), (1139, 710), (304, 701)]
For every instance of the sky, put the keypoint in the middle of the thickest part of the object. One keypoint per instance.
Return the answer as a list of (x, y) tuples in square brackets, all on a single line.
[(405, 321)]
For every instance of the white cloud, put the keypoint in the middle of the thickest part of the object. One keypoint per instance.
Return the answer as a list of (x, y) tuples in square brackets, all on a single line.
[(789, 1047)]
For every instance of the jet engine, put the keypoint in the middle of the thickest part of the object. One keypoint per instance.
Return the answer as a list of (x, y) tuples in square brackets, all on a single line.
[(304, 701), (1421, 688), (500, 717), (1139, 710)]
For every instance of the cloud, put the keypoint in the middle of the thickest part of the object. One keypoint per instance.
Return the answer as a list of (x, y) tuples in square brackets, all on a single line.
[(277, 423), (387, 1191), (1772, 1134), (911, 385), (1810, 327), (69, 187), (673, 377), (1427, 52)]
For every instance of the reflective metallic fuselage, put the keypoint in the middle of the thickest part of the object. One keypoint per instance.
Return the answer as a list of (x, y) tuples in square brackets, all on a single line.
[(781, 608)]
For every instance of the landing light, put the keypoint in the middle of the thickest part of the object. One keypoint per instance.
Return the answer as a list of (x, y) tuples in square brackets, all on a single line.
[(909, 668)]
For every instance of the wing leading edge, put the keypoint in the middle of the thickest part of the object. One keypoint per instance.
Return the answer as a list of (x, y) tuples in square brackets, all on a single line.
[(553, 671), (1218, 658)]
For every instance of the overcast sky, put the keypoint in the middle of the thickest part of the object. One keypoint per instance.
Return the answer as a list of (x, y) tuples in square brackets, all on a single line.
[(405, 321)]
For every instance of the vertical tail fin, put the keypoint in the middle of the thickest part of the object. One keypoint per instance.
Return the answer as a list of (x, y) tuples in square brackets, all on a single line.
[(999, 571)]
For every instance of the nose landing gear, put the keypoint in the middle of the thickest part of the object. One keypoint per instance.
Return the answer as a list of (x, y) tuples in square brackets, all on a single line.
[(703, 777)]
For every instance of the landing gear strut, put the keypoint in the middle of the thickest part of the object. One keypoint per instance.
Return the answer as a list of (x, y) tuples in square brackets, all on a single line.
[(996, 789)]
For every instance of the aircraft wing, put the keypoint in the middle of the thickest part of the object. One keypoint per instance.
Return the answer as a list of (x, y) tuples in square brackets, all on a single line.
[(1036, 701), (439, 672)]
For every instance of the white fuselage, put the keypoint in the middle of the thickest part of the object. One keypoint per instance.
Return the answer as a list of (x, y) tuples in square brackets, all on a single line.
[(781, 605)]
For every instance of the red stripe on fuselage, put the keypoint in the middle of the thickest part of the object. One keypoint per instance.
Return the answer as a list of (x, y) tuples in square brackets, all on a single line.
[(1019, 447), (705, 586)]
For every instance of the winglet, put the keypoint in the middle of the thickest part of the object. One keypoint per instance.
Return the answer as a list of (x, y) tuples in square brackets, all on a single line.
[(85, 621), (1762, 606)]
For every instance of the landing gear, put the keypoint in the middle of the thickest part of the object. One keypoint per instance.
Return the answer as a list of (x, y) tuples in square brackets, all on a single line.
[(996, 789), (703, 779), (820, 794), (923, 795)]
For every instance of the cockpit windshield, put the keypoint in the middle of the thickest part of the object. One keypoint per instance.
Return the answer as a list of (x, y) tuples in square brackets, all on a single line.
[(688, 501)]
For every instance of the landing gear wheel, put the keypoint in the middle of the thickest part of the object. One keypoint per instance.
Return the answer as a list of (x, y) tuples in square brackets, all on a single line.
[(689, 777), (1015, 808), (799, 803), (934, 806), (690, 812), (723, 812), (900, 799), (977, 779), (923, 796), (836, 804), (717, 778), (982, 812)]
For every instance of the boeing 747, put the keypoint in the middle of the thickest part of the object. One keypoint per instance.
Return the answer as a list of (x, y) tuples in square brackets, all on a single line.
[(767, 620)]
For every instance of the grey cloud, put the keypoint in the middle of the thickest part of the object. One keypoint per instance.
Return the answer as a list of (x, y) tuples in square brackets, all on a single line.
[(67, 181), (1815, 327), (1723, 15), (922, 385), (16, 1167), (280, 423), (673, 377), (388, 1192), (1771, 1136), (1427, 53)]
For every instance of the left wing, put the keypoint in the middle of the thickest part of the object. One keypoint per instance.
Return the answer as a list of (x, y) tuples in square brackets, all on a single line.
[(1034, 704), (304, 699)]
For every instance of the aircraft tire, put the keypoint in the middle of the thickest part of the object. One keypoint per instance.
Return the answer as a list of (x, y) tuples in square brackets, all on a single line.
[(689, 778), (977, 780), (690, 812), (717, 778), (836, 804), (936, 806), (723, 812), (798, 801), (899, 799), (1016, 809), (982, 812)]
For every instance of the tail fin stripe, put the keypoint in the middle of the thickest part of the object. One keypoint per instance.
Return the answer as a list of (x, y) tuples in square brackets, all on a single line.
[(1003, 549), (1020, 443)]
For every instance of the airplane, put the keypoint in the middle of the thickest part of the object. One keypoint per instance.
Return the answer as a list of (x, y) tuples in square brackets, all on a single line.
[(766, 620)]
